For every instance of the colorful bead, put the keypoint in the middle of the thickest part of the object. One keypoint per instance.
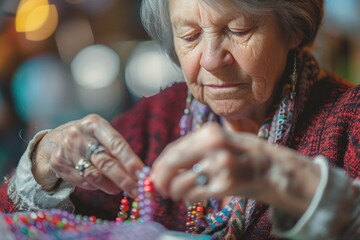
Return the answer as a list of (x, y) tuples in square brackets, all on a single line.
[(195, 214), (141, 207)]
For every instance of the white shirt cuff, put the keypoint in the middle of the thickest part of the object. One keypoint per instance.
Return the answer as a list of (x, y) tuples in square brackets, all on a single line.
[(27, 194), (327, 213)]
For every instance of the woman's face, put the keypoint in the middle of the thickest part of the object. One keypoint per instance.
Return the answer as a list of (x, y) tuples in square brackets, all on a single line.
[(231, 61)]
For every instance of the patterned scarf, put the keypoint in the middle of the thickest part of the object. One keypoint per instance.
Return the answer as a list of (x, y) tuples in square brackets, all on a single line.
[(232, 221)]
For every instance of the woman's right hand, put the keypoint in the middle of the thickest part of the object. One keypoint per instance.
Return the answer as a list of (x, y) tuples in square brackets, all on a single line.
[(111, 171)]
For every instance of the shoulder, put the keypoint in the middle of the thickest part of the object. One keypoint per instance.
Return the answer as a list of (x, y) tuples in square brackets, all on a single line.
[(170, 100), (330, 118), (334, 94)]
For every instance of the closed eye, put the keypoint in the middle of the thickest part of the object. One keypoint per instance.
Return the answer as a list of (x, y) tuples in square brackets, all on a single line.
[(239, 33), (192, 37)]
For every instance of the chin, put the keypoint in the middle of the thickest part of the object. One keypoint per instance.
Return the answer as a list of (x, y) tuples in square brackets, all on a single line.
[(231, 110)]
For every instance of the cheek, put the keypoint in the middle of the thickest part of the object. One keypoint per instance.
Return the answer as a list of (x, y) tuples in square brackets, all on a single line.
[(189, 61), (264, 63)]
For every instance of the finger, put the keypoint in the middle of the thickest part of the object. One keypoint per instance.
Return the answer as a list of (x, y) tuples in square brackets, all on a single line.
[(182, 184), (112, 175), (185, 187), (184, 153), (71, 175), (119, 148)]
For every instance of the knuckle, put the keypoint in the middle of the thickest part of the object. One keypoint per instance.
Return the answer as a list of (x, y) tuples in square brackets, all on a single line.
[(91, 118), (227, 160), (106, 164), (91, 121), (93, 176), (117, 145), (73, 131), (214, 135)]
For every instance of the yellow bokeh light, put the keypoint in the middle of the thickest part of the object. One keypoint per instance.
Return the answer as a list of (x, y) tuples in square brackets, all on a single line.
[(48, 28), (31, 15)]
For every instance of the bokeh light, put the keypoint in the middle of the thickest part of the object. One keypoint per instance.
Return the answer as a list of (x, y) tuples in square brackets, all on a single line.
[(343, 15), (148, 70), (36, 18), (95, 67), (42, 91)]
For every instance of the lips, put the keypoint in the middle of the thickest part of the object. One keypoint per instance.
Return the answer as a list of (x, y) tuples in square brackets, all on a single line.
[(222, 85), (226, 91)]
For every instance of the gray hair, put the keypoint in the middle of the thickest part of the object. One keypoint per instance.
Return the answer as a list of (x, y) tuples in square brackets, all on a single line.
[(297, 17)]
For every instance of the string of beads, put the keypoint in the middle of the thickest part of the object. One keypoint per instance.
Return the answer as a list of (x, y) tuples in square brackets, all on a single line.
[(142, 206)]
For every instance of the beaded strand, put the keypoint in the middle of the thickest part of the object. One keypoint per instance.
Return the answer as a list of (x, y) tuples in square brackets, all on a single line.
[(195, 217), (59, 224), (142, 206)]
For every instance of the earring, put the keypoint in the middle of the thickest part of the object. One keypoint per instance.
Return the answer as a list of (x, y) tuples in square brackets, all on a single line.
[(187, 118), (294, 78)]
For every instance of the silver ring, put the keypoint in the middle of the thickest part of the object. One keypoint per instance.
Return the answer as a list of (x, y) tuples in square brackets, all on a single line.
[(197, 168), (94, 148), (82, 165), (201, 178)]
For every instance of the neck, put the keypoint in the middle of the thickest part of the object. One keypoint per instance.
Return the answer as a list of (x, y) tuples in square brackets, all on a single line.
[(243, 125)]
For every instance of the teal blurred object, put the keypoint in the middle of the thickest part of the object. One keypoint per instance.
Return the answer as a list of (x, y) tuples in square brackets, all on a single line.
[(172, 235), (42, 92)]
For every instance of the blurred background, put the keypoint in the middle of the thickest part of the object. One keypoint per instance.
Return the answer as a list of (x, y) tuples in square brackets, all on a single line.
[(63, 59)]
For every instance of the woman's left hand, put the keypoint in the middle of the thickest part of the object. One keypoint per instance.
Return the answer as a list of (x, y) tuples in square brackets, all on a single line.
[(235, 164)]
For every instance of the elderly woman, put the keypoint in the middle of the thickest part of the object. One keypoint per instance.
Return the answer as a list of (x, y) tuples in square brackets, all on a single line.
[(271, 146)]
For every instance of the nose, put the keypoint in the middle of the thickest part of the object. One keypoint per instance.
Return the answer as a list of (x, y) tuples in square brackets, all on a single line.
[(215, 56)]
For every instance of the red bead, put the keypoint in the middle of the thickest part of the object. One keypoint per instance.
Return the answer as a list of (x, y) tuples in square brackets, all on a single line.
[(8, 220), (135, 214), (56, 220), (23, 220), (148, 188), (200, 209), (40, 216), (125, 201), (92, 219), (124, 208), (147, 181)]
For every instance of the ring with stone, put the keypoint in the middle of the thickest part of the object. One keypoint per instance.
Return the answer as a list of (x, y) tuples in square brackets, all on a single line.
[(201, 178), (82, 165)]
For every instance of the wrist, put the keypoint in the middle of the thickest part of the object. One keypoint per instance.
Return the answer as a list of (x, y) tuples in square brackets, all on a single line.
[(40, 168)]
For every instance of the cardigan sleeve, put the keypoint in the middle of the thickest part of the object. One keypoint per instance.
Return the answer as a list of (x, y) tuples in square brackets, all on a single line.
[(335, 209), (25, 194)]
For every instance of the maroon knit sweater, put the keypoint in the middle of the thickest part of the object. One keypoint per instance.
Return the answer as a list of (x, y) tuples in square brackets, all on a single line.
[(329, 125)]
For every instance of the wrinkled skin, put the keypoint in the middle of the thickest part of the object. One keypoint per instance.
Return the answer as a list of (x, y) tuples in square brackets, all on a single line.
[(112, 171), (236, 164)]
